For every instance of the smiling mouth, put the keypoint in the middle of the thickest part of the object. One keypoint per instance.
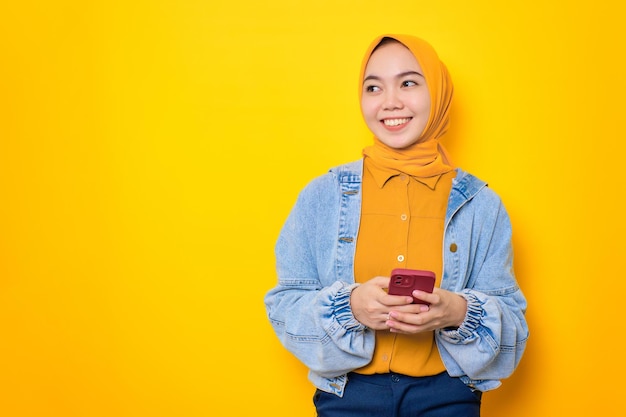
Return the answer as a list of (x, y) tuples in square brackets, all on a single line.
[(396, 122)]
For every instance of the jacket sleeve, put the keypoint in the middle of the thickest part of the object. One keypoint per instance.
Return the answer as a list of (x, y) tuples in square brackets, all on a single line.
[(309, 309), (489, 344)]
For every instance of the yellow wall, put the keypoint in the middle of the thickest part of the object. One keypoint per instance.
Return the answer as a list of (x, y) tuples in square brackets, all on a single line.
[(150, 151)]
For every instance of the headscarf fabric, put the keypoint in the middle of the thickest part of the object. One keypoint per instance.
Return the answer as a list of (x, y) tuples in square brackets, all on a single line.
[(427, 157)]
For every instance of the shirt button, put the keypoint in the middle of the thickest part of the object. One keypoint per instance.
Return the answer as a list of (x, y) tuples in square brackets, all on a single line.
[(404, 217), (400, 258), (395, 378), (385, 357), (403, 177), (453, 247)]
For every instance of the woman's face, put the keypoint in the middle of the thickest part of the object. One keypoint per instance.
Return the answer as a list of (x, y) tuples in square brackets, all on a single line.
[(395, 101)]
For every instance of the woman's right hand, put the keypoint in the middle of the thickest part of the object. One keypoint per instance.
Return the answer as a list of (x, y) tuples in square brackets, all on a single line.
[(371, 304)]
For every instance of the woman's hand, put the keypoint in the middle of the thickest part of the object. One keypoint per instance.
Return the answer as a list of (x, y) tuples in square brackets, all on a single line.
[(447, 309), (371, 304)]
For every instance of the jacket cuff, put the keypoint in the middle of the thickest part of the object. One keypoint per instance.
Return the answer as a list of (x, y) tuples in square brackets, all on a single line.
[(467, 330), (342, 310)]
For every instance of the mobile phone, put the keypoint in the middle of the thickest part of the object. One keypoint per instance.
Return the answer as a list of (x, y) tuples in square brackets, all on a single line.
[(404, 281)]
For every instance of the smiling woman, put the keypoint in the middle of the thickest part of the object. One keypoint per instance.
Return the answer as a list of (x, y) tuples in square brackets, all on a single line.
[(396, 208)]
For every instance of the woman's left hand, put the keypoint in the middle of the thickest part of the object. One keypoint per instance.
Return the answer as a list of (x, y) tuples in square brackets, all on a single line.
[(447, 309)]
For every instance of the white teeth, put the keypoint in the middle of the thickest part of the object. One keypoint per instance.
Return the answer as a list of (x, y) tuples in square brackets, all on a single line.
[(396, 122)]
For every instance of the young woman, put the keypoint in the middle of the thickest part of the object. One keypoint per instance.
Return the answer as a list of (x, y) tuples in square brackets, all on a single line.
[(402, 206)]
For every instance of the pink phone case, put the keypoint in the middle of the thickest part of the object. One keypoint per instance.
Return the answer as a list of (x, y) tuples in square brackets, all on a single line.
[(404, 281)]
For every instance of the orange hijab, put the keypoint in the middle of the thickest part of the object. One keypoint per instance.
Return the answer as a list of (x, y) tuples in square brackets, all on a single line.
[(426, 158)]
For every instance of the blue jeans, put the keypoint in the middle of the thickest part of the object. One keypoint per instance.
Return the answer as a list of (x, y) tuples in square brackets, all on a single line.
[(396, 395)]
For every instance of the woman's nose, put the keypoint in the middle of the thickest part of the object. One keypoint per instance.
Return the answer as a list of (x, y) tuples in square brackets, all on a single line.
[(392, 101)]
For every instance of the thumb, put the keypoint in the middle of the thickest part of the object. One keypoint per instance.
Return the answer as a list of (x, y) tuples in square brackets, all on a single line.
[(381, 282)]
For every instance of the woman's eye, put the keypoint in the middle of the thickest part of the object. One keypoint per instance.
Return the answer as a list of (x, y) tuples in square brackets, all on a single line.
[(408, 83), (372, 88)]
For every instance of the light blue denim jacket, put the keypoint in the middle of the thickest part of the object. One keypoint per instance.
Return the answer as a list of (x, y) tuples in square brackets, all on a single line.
[(310, 311)]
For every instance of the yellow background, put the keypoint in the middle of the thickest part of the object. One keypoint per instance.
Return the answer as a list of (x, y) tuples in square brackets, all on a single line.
[(150, 151)]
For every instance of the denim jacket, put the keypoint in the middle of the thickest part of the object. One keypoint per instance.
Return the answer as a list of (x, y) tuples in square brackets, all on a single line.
[(310, 311)]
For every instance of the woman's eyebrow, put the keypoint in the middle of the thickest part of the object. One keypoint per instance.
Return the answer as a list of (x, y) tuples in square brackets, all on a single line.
[(406, 73), (401, 75)]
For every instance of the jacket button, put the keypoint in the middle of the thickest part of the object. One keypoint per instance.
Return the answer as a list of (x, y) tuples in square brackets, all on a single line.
[(453, 247)]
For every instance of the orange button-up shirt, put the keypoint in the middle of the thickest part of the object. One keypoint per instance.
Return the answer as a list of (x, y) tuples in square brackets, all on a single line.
[(402, 221)]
